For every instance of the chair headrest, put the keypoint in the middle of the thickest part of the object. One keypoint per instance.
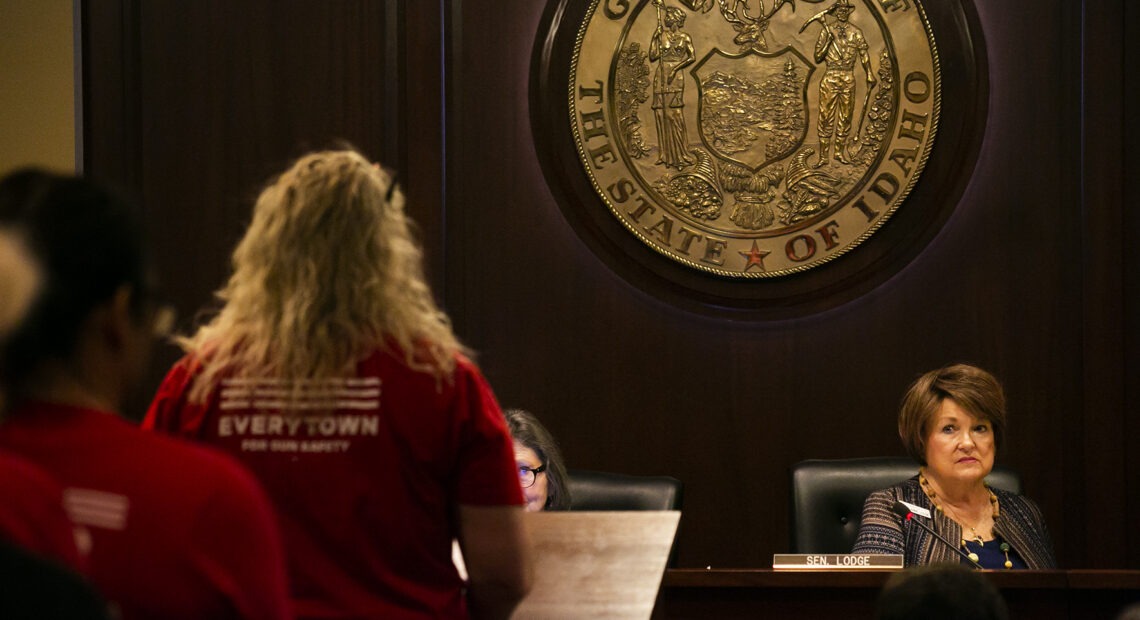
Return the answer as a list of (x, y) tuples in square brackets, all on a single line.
[(597, 490)]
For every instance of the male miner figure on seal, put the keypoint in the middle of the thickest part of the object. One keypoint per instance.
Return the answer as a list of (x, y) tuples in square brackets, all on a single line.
[(838, 45)]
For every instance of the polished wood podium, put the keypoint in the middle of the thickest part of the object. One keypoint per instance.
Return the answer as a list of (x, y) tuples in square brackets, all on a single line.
[(764, 593), (597, 564)]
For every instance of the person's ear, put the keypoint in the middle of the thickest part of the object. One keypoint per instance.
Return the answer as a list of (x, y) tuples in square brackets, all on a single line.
[(119, 320)]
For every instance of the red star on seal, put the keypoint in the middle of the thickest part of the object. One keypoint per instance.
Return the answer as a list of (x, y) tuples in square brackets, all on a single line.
[(755, 257)]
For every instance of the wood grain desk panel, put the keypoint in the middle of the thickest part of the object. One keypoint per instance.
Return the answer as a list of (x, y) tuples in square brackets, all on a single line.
[(598, 564)]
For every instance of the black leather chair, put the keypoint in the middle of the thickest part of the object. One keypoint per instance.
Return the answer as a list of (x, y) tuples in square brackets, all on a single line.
[(828, 496), (599, 490)]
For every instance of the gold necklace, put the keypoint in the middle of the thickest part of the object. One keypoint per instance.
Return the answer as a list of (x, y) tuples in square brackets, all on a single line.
[(954, 514), (929, 491)]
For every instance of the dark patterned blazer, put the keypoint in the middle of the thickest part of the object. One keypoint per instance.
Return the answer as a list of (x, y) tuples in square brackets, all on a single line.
[(882, 531)]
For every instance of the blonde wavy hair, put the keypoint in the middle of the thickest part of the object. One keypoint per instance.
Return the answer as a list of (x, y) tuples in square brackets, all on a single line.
[(327, 273)]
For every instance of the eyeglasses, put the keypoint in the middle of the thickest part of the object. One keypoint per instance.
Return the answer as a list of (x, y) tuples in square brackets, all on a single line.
[(527, 476)]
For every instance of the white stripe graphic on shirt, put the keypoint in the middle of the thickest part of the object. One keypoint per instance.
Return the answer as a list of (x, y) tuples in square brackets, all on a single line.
[(350, 382), (96, 508), (285, 404), (246, 392), (360, 394)]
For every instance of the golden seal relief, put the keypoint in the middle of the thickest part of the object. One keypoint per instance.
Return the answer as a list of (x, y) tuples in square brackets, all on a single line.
[(754, 139)]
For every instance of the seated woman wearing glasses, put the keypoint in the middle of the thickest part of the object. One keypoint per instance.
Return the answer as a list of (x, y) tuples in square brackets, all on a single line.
[(952, 423), (541, 472)]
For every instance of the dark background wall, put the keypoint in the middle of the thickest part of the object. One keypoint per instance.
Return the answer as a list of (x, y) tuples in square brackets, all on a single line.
[(191, 106)]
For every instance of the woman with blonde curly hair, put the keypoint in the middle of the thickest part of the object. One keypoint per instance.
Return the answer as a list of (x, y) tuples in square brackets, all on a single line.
[(333, 375)]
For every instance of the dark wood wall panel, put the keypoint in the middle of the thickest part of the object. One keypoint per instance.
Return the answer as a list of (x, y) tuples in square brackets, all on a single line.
[(1103, 243), (1033, 274), (194, 105), (1130, 224)]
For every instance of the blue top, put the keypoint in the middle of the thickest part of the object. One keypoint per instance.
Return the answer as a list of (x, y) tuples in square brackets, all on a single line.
[(990, 555)]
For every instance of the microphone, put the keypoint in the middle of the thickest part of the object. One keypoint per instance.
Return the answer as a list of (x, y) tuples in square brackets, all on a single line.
[(901, 510)]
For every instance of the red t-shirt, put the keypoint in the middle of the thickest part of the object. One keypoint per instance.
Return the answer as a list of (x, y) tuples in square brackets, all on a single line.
[(177, 531), (366, 473), (31, 512)]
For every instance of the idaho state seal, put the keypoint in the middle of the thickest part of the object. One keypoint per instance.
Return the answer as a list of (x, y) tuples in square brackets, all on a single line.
[(747, 139)]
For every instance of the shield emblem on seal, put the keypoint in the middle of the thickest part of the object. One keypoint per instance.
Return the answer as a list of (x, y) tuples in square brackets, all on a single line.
[(753, 107)]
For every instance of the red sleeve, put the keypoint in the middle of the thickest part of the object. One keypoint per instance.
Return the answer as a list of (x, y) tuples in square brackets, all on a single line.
[(238, 546), (32, 515), (170, 398), (486, 459)]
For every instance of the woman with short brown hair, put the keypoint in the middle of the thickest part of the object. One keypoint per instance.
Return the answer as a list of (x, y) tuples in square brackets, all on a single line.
[(951, 422)]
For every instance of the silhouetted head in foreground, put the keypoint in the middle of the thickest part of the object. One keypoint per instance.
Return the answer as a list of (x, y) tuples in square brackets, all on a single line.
[(940, 592)]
